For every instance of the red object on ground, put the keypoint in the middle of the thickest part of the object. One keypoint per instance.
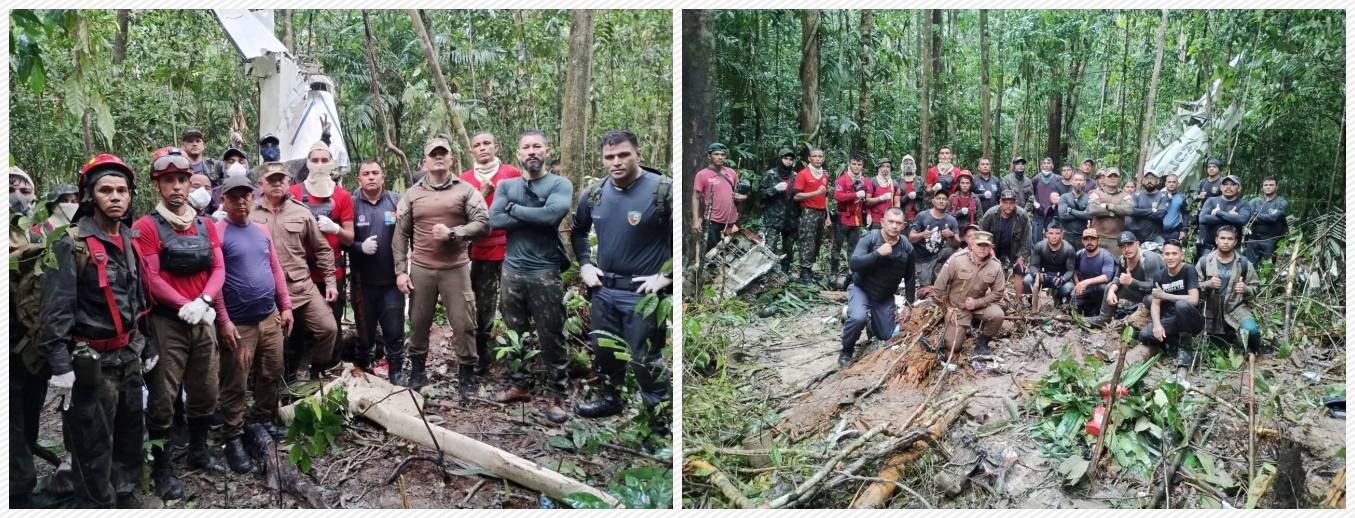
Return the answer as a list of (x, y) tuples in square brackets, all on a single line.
[(1105, 391), (1097, 421)]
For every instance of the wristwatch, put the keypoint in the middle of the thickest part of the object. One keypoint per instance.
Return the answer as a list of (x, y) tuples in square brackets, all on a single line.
[(451, 234), (206, 298)]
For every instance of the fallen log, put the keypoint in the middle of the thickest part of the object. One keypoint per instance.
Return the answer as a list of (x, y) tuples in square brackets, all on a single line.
[(809, 487), (878, 493), (1336, 492), (371, 397), (721, 481)]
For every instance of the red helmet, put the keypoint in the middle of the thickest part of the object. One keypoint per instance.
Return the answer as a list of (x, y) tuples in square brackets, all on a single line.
[(101, 162), (170, 160)]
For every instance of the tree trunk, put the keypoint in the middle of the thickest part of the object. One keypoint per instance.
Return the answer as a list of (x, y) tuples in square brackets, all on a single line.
[(120, 41), (574, 120), (867, 65), (938, 76), (453, 111), (1054, 126), (809, 76), (288, 40), (698, 66), (925, 130), (1124, 78), (997, 112), (378, 104), (985, 111), (1152, 96)]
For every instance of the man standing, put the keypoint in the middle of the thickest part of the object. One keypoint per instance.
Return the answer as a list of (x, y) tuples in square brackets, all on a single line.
[(1008, 225), (634, 233), (1149, 210), (1017, 183), (1054, 261), (437, 219), (780, 213), (185, 272), (486, 254), (1211, 185), (1073, 214), (850, 193), (296, 236), (1093, 271), (1131, 287), (93, 302), (912, 194), (941, 177), (1108, 207), (811, 192), (879, 263), (1046, 187), (62, 202), (1174, 309), (530, 208), (970, 286), (381, 305), (882, 193), (714, 201), (1229, 285), (332, 206), (194, 148), (1227, 209), (253, 316), (268, 149), (986, 186), (28, 368), (1268, 222), (1175, 220), (930, 232)]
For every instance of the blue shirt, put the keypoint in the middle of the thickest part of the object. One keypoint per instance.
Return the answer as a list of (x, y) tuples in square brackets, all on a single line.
[(374, 219), (1089, 267), (632, 239), (250, 293)]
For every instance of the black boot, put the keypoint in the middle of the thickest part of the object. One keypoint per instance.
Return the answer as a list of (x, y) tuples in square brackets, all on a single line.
[(466, 384), (162, 469), (844, 358), (606, 405), (237, 457), (981, 346), (417, 364), (556, 411), (199, 452), (395, 367)]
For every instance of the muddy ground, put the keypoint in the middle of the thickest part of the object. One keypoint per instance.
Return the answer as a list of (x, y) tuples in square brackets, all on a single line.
[(355, 477), (791, 359)]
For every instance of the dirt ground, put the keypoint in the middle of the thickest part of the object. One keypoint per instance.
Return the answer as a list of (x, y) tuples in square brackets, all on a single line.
[(796, 359), (355, 477)]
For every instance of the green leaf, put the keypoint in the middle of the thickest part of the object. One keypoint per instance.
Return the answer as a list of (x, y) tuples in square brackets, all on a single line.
[(1072, 469), (561, 442)]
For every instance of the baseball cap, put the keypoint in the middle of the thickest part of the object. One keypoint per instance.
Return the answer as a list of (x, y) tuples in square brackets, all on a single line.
[(1019, 160), (1231, 178), (1112, 171), (191, 133), (785, 151), (269, 169), (233, 151), (1148, 172), (267, 138), (236, 182), (1008, 195), (1089, 161), (434, 143), (983, 238), (715, 146), (1090, 232), (1127, 237)]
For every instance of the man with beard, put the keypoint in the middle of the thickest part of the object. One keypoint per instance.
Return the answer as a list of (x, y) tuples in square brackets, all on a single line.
[(530, 208), (1174, 310), (1054, 260), (1017, 183), (714, 197), (634, 240), (332, 206), (850, 193), (380, 304), (1177, 218), (1046, 187), (1108, 207), (1268, 222), (1131, 287), (486, 254), (436, 221), (780, 213), (879, 263), (970, 287), (62, 202), (194, 147), (811, 192), (1093, 269), (1009, 225), (185, 271), (912, 194), (882, 193), (986, 186), (1073, 214), (93, 301), (964, 205), (1149, 210), (1228, 286), (1226, 209), (941, 177), (930, 232)]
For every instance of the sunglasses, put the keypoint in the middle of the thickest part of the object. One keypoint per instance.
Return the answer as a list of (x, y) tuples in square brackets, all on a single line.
[(173, 160)]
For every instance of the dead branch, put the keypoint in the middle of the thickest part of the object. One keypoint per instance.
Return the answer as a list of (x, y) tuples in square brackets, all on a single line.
[(878, 493), (1177, 455), (721, 481), (280, 475), (809, 487), (900, 485), (376, 98)]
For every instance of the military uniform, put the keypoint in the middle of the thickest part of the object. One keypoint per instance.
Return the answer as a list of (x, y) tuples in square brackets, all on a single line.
[(28, 371), (780, 213), (1227, 312)]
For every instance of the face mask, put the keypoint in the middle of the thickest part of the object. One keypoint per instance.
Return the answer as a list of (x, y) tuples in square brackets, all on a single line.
[(19, 204), (199, 198), (321, 169), (68, 209), (908, 169), (270, 154), (236, 169)]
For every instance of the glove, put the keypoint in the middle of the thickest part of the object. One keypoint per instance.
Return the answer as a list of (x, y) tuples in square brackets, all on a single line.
[(369, 245), (328, 226), (936, 187), (887, 196), (781, 187), (652, 283), (149, 363), (592, 276), (219, 215), (1037, 205), (912, 195), (964, 211), (61, 387), (860, 194), (193, 312), (987, 195)]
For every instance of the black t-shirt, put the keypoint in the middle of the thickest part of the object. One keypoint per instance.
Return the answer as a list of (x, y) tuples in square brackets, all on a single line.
[(932, 243), (1179, 284)]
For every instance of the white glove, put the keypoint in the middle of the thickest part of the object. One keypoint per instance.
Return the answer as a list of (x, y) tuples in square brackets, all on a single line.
[(652, 283), (887, 196), (1037, 204), (328, 226), (936, 187), (781, 187), (964, 211), (987, 195), (592, 276), (209, 316), (860, 195), (369, 245), (219, 215), (912, 195), (193, 312), (61, 386), (149, 363)]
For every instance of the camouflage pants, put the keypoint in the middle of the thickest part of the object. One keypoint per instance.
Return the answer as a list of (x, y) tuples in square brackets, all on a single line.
[(811, 238), (535, 302), (484, 281), (843, 235), (782, 242)]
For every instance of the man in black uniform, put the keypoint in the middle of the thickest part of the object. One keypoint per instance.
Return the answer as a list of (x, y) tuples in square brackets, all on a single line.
[(633, 215), (94, 348), (780, 213), (1268, 223), (881, 260)]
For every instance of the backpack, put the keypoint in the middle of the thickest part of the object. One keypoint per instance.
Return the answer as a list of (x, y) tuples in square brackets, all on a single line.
[(663, 195)]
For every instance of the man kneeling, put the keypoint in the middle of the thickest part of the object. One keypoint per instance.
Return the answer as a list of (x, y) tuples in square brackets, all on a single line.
[(879, 263), (970, 285)]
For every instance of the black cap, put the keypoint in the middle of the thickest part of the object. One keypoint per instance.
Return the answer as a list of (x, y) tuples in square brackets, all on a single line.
[(269, 137), (1008, 195), (1127, 237), (1231, 178), (1019, 160), (715, 146), (785, 151), (1148, 172), (191, 133), (233, 151), (1214, 162), (969, 227)]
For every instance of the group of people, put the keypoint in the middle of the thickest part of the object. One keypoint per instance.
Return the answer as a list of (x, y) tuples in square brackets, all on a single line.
[(960, 237), (235, 284)]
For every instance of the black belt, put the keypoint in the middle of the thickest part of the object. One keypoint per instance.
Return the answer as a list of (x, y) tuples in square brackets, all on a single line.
[(619, 282)]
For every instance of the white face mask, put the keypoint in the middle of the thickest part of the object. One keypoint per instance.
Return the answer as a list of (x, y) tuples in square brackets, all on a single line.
[(199, 198), (236, 169), (325, 169), (68, 209)]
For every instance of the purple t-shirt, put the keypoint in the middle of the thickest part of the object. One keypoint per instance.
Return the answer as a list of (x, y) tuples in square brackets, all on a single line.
[(249, 292), (1091, 266), (718, 193)]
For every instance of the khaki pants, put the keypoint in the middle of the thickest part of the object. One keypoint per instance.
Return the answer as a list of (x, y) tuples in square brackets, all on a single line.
[(259, 350), (990, 323), (453, 288), (188, 360), (314, 316)]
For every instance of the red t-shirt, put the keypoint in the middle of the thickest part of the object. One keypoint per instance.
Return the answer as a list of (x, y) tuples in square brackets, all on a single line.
[(850, 211), (875, 189), (805, 182), (717, 192), (340, 211), (494, 246), (167, 289)]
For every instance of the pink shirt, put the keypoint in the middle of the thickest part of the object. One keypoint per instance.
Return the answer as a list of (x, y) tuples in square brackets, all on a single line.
[(718, 194)]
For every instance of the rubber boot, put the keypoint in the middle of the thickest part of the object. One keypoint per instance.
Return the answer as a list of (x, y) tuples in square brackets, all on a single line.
[(162, 469), (556, 412), (466, 384), (199, 452), (844, 358), (396, 368), (981, 346), (237, 457), (417, 378), (607, 404)]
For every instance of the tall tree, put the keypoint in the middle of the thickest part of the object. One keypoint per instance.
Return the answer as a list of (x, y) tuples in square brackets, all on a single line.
[(867, 65), (453, 111), (1147, 124), (938, 63), (985, 109), (809, 75), (376, 97), (120, 43), (574, 120), (925, 130), (698, 71)]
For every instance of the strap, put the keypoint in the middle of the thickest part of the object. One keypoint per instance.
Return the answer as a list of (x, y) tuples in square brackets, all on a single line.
[(100, 256), (663, 195)]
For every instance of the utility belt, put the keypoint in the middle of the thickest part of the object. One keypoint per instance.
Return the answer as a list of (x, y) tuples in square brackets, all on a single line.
[(619, 282), (107, 344)]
